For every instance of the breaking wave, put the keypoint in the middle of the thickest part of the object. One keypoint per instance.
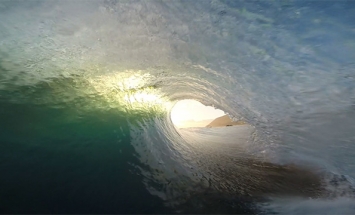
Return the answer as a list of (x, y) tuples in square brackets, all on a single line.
[(86, 90)]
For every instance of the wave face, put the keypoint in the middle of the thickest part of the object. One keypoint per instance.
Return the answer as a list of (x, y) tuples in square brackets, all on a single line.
[(86, 90)]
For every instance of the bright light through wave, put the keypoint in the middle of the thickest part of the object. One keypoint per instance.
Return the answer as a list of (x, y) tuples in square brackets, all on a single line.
[(130, 89), (191, 113)]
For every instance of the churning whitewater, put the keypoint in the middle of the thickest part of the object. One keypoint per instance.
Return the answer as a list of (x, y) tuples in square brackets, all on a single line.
[(87, 88)]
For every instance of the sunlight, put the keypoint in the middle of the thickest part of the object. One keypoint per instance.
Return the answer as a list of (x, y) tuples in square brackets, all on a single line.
[(191, 113), (130, 89), (142, 97)]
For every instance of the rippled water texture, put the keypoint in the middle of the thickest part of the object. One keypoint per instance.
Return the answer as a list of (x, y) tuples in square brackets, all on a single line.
[(86, 90)]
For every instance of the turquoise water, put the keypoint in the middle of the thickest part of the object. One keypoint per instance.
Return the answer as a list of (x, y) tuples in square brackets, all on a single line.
[(86, 90)]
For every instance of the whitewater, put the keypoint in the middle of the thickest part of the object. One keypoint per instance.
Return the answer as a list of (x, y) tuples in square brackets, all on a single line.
[(87, 87)]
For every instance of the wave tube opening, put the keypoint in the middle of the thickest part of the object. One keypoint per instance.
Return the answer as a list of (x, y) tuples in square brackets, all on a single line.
[(190, 113)]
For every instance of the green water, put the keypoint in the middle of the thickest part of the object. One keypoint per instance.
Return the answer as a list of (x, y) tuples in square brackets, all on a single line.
[(52, 162)]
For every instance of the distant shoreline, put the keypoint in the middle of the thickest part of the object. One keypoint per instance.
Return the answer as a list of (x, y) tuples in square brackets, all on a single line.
[(224, 121)]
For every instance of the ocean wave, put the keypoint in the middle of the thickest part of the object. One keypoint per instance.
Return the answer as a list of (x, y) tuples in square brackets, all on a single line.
[(77, 71)]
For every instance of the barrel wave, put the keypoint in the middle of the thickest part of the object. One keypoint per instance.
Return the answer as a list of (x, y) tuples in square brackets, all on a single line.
[(87, 87)]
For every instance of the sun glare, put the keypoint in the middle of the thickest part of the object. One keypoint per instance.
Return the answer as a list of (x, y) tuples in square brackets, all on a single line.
[(142, 97), (191, 113), (131, 91)]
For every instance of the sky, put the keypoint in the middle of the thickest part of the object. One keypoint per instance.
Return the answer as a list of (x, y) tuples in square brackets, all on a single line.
[(186, 111)]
